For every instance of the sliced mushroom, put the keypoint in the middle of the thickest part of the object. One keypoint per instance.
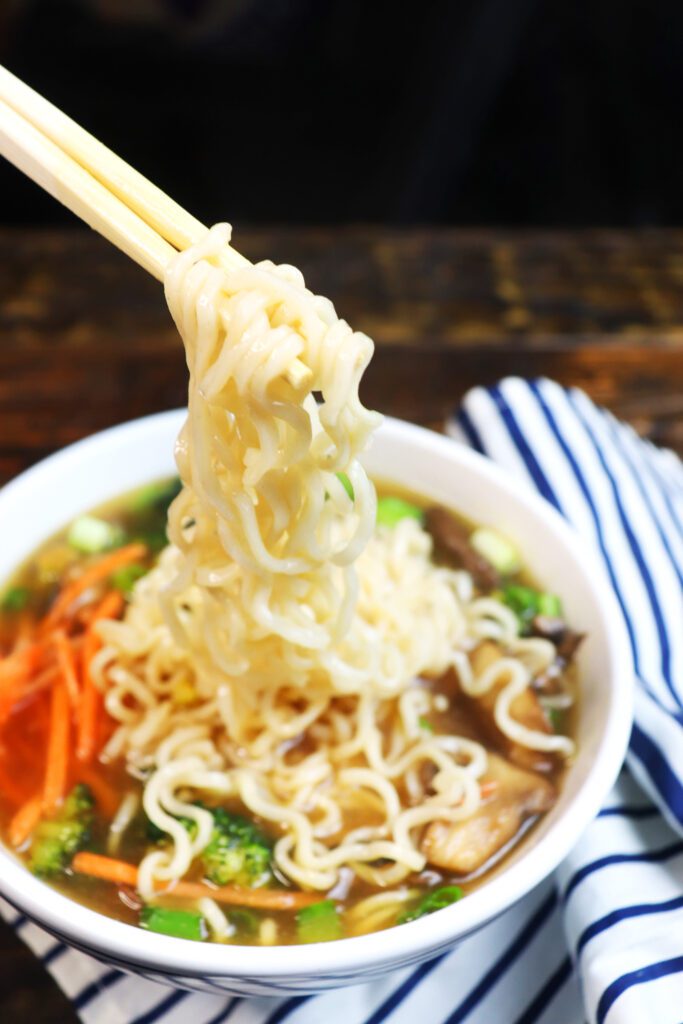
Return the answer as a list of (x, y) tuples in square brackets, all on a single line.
[(516, 795), (451, 538), (569, 645), (549, 627), (566, 640), (525, 709)]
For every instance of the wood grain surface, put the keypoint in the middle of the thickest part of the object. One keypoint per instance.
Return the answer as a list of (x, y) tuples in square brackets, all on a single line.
[(86, 342)]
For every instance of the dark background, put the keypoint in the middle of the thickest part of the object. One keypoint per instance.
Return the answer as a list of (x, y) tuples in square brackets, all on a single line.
[(327, 111)]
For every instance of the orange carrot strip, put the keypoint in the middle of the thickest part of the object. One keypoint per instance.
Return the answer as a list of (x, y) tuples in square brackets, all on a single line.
[(13, 699), (95, 573), (24, 633), (24, 821), (29, 740), (11, 788), (266, 899), (40, 682), (121, 873), (67, 666), (91, 698), (108, 800), (107, 868), (21, 664), (9, 698), (13, 694), (92, 613), (90, 701), (109, 607), (26, 748), (57, 765), (488, 788)]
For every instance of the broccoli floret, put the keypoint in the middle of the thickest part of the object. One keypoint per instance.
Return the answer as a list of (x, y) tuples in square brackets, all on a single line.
[(57, 839), (157, 835), (239, 852)]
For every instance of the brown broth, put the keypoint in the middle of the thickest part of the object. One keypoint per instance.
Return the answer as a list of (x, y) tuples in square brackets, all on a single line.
[(23, 757)]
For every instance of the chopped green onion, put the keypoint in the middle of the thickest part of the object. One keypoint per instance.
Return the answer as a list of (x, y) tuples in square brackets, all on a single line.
[(15, 599), (90, 535), (125, 578), (159, 495), (154, 540), (181, 924), (435, 900), (346, 484), (319, 922), (391, 511), (522, 600), (527, 603), (496, 549), (556, 719), (550, 605), (425, 724)]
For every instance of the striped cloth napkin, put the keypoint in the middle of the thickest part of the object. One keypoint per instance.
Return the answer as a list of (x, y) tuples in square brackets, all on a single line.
[(603, 939)]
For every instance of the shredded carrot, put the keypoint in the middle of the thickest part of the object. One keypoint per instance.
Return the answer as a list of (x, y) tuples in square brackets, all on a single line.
[(24, 821), (107, 868), (108, 800), (109, 607), (266, 899), (67, 666), (11, 787), (24, 632), (488, 789), (22, 674), (21, 664), (91, 700), (95, 573), (90, 614), (24, 745), (28, 742), (122, 873), (15, 695), (57, 767), (87, 721), (43, 680), (9, 697)]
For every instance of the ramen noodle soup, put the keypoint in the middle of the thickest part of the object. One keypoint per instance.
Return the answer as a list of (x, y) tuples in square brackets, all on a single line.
[(272, 701)]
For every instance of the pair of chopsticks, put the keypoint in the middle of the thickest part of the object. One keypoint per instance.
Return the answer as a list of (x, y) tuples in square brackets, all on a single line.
[(99, 187)]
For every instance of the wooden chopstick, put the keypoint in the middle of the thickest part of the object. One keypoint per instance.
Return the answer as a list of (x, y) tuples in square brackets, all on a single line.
[(159, 211), (101, 188), (67, 181)]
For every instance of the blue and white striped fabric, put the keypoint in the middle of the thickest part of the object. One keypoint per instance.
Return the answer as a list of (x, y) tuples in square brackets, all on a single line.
[(603, 940)]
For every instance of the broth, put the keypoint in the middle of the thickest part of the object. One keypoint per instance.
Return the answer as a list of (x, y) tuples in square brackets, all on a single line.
[(141, 515)]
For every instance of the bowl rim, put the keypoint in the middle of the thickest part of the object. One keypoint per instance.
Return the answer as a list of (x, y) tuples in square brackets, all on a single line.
[(132, 947)]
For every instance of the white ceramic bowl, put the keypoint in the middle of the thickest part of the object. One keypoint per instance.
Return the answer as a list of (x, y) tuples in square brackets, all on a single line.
[(46, 497)]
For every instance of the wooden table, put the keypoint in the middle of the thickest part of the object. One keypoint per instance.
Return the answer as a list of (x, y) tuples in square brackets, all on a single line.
[(87, 342)]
